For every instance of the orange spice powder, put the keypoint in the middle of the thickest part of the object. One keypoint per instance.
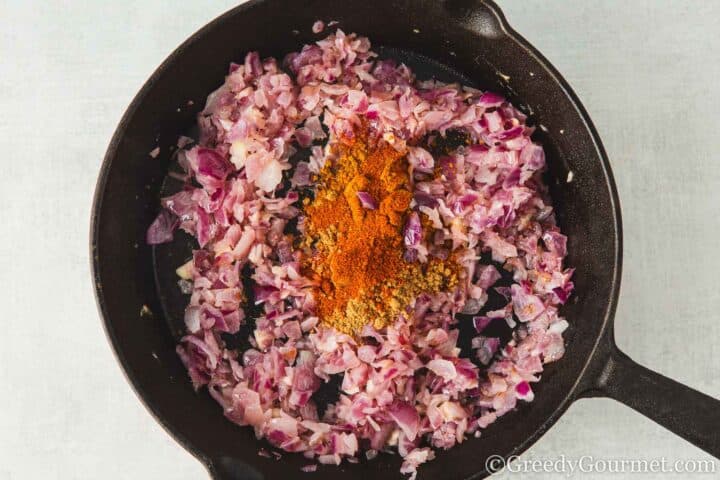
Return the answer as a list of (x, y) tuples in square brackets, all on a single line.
[(356, 254)]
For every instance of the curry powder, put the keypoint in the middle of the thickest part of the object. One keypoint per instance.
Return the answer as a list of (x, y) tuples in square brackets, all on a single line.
[(355, 254)]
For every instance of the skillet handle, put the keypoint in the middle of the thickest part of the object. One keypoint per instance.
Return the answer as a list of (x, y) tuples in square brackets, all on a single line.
[(684, 411)]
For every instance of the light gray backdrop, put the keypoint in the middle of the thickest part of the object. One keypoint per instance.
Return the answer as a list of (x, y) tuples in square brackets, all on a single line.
[(647, 71)]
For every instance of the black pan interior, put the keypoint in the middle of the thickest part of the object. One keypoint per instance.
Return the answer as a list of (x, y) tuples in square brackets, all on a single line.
[(467, 41)]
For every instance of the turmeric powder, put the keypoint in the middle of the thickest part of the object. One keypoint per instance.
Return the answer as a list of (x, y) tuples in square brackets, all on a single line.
[(356, 254)]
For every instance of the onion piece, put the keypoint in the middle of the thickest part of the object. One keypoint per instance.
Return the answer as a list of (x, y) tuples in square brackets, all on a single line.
[(162, 228), (367, 201), (412, 234)]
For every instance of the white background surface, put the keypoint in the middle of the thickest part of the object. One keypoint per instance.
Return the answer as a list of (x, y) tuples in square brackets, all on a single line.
[(647, 71)]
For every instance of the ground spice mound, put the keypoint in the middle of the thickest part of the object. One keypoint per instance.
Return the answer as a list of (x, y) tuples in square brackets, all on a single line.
[(355, 252)]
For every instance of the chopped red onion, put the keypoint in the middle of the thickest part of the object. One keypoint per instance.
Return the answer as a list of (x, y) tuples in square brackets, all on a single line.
[(490, 99), (423, 199), (161, 230), (318, 26), (481, 322), (413, 230), (367, 201), (404, 387)]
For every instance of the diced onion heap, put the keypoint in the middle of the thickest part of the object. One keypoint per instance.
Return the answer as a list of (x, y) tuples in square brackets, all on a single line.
[(403, 386)]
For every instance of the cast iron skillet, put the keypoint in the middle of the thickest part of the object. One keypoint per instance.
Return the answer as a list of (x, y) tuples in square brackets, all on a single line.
[(467, 36)]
